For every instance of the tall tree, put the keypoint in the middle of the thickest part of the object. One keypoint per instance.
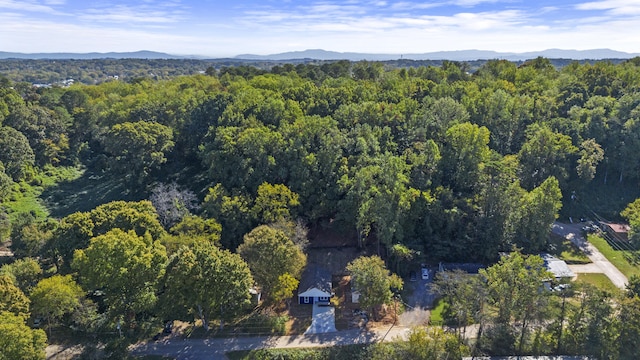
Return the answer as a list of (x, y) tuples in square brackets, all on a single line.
[(370, 277), (54, 297), (18, 341), (137, 148), (17, 155), (125, 266), (514, 291), (464, 154), (206, 282), (545, 153), (12, 299), (284, 257)]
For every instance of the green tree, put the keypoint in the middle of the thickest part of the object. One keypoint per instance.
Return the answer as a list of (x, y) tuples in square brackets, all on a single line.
[(514, 290), (464, 154), (25, 273), (137, 148), (125, 266), (531, 221), (629, 329), (591, 154), (12, 299), (75, 230), (5, 183), (273, 203), (284, 287), (370, 277), (18, 341), (17, 155), (206, 282), (632, 214), (545, 153), (233, 212), (284, 257), (54, 297)]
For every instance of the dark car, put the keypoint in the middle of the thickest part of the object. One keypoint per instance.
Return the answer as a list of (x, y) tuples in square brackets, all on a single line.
[(413, 276)]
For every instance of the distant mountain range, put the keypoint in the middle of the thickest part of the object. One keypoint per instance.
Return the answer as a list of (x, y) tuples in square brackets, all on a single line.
[(143, 54), (461, 55), (318, 54)]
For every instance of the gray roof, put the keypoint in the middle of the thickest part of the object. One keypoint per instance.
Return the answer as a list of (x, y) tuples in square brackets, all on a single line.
[(317, 277), (557, 267)]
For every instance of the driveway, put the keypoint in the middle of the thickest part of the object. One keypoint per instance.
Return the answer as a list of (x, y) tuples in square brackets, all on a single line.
[(323, 321), (573, 233)]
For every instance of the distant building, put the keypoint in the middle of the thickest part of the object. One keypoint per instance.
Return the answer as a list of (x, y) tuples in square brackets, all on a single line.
[(620, 231)]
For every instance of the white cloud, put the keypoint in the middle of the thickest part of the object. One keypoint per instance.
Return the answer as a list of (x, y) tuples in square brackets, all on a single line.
[(613, 7), (29, 6)]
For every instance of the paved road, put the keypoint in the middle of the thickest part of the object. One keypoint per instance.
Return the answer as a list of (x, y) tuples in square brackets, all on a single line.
[(214, 349), (574, 233)]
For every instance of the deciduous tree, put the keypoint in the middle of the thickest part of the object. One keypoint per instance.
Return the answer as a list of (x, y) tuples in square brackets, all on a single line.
[(271, 254), (370, 277), (125, 266), (206, 282)]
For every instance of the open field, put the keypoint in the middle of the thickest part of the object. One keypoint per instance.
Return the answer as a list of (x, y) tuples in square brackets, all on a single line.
[(601, 281)]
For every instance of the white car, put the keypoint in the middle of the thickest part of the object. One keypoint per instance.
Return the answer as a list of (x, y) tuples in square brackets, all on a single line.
[(425, 273)]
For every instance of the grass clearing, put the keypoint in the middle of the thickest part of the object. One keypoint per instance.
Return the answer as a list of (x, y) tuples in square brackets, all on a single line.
[(436, 317), (344, 352), (601, 281), (25, 197), (616, 257), (564, 249)]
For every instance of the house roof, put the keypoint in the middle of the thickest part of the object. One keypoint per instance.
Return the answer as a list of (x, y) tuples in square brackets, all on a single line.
[(315, 277), (618, 228), (557, 267), (314, 292)]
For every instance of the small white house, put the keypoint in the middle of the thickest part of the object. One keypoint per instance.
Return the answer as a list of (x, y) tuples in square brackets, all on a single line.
[(315, 286)]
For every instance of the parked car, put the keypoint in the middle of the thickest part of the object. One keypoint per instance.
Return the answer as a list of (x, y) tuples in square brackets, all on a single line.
[(413, 276)]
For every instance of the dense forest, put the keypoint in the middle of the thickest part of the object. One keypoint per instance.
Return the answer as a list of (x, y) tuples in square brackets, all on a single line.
[(151, 191)]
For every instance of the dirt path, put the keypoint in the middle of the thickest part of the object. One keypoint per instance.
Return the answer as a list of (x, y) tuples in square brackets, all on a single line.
[(574, 233), (201, 349)]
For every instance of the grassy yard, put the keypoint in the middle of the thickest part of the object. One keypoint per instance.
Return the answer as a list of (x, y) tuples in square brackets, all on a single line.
[(346, 352), (616, 257), (601, 281), (566, 250), (436, 314), (26, 197)]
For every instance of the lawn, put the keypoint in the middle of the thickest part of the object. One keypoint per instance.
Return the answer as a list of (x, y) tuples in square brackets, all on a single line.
[(436, 314), (616, 257), (26, 196), (564, 249), (601, 281)]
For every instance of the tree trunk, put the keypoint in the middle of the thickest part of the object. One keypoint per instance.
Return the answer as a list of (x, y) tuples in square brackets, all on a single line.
[(203, 317), (522, 333)]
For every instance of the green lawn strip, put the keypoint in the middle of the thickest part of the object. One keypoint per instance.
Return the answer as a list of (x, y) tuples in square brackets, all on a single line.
[(616, 257), (435, 317), (25, 197), (346, 352), (564, 249), (601, 281)]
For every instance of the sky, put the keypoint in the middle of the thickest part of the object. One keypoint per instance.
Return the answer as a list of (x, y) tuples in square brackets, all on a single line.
[(221, 28)]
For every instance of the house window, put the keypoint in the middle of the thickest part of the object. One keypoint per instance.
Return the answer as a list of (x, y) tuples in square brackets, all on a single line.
[(324, 298), (306, 300)]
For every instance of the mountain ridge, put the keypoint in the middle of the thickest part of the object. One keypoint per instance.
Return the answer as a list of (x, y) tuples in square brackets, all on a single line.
[(456, 55), (320, 54)]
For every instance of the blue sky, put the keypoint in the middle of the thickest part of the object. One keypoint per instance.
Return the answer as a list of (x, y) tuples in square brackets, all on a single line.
[(226, 28)]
